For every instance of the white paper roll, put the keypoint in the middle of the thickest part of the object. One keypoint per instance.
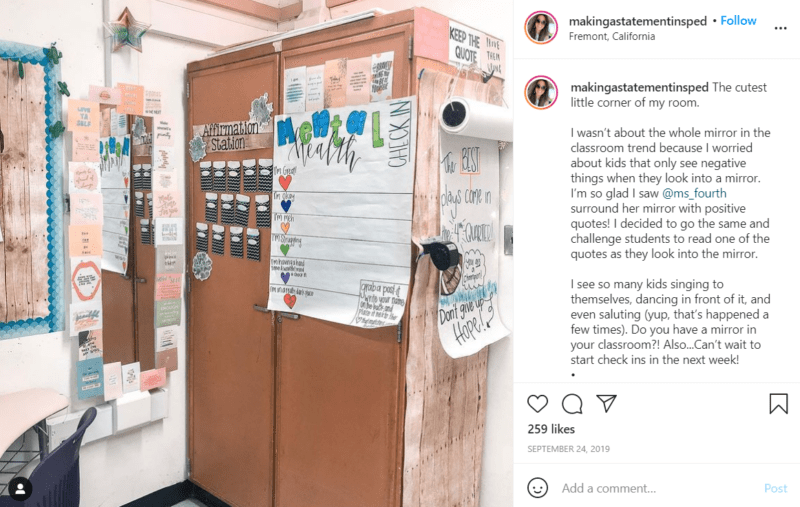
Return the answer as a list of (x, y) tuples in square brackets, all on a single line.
[(467, 117)]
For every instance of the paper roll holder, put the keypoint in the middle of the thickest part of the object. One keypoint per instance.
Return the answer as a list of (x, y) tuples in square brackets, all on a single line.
[(444, 254)]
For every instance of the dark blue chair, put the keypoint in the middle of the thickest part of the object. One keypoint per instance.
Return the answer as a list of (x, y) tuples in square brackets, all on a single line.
[(56, 480)]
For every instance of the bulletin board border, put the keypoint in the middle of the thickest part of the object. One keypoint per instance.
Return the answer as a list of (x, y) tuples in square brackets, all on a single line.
[(54, 321)]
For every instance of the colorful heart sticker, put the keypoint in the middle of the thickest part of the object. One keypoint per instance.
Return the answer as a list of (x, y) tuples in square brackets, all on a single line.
[(285, 277), (290, 300), (286, 205), (285, 226), (285, 181), (284, 249)]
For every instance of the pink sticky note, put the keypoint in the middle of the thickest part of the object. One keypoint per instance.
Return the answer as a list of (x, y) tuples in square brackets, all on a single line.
[(359, 74), (165, 204), (112, 381), (151, 379), (83, 116), (87, 209), (132, 99), (85, 147), (84, 177), (168, 286), (85, 240), (335, 83)]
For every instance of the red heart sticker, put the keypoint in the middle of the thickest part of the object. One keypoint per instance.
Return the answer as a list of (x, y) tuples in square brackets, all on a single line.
[(285, 181), (290, 300)]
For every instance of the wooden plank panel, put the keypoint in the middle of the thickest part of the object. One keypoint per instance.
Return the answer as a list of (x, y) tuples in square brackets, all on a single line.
[(446, 397), (15, 202), (4, 66), (37, 187)]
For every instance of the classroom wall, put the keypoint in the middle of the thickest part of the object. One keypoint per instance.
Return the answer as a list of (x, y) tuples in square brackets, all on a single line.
[(124, 467)]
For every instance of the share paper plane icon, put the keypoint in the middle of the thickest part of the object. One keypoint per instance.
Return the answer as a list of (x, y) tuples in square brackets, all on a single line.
[(607, 399)]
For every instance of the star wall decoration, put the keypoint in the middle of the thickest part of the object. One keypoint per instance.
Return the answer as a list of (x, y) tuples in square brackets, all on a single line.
[(126, 31)]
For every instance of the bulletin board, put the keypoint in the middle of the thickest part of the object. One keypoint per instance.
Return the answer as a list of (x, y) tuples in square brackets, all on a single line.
[(31, 200)]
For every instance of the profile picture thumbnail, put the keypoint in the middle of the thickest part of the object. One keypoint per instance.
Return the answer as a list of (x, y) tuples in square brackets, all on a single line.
[(541, 27), (541, 92)]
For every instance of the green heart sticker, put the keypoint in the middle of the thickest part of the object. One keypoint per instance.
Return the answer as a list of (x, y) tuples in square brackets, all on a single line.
[(284, 249)]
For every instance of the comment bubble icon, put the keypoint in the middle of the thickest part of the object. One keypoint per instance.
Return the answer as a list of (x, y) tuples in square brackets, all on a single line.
[(572, 404)]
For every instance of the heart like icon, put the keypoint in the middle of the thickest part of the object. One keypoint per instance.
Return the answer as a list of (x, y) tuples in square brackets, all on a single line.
[(285, 277), (286, 205), (285, 181), (285, 249), (537, 402), (290, 300), (285, 226)]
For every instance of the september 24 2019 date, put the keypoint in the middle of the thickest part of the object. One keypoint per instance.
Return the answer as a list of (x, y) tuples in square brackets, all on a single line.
[(557, 429)]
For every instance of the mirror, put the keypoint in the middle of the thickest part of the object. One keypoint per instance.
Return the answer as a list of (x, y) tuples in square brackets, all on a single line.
[(128, 300)]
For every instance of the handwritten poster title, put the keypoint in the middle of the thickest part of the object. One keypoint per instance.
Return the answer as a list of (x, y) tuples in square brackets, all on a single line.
[(340, 144)]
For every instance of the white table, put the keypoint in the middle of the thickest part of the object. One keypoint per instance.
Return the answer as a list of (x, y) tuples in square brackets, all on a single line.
[(22, 410)]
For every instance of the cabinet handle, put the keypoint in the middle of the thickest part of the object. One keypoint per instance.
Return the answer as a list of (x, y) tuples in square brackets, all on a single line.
[(141, 280), (125, 277), (262, 309)]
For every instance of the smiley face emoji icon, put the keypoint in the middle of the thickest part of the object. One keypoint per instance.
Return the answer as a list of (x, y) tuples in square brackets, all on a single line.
[(537, 487)]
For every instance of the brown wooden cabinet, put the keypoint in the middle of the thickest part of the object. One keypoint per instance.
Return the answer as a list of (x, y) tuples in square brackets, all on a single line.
[(285, 411), (231, 343)]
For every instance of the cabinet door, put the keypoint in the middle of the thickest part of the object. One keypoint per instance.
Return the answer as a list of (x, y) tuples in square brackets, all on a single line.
[(340, 388), (231, 343)]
